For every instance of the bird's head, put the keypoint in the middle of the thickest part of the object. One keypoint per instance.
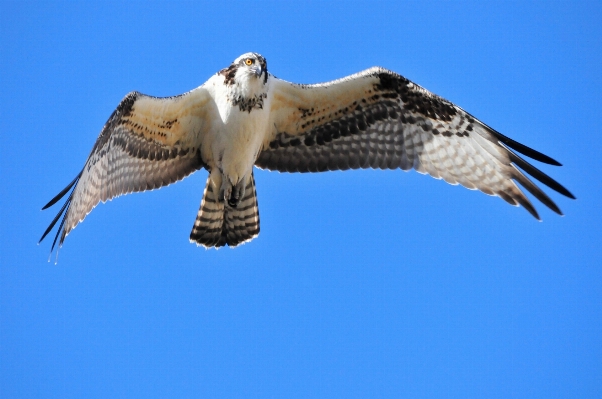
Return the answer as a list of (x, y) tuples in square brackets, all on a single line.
[(246, 68)]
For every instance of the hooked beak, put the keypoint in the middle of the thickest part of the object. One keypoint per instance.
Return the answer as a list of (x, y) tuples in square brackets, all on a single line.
[(257, 70)]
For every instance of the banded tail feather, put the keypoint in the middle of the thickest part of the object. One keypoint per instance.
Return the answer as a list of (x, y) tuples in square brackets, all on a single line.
[(217, 225)]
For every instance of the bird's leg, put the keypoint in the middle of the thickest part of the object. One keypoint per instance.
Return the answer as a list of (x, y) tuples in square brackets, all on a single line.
[(225, 190), (231, 193), (219, 183), (238, 193)]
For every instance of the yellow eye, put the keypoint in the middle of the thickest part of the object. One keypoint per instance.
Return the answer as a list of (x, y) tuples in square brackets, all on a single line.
[(249, 61)]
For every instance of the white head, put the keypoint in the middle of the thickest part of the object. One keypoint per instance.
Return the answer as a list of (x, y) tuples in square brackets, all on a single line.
[(246, 81), (248, 68)]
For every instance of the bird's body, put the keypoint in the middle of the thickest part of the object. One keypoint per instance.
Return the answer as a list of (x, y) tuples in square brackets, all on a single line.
[(235, 138), (244, 117)]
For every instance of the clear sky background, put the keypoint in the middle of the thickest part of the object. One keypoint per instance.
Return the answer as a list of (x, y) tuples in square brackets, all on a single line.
[(361, 284)]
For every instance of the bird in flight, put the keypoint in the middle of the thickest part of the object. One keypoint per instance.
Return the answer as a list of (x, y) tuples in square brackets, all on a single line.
[(243, 116)]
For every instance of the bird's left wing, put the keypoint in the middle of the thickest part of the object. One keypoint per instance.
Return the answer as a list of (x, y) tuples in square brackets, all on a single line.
[(148, 142), (379, 119)]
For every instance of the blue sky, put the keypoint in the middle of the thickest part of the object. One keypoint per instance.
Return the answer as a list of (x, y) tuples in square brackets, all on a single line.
[(361, 284)]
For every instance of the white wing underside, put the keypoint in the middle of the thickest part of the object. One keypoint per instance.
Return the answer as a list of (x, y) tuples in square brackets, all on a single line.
[(147, 143), (378, 119)]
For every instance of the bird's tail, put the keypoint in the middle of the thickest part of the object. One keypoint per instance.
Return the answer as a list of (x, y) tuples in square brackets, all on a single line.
[(218, 224)]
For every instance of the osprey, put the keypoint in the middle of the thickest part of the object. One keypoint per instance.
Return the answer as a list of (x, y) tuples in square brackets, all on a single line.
[(243, 116)]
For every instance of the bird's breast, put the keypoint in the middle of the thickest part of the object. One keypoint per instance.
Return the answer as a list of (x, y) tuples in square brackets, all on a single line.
[(239, 140), (246, 127)]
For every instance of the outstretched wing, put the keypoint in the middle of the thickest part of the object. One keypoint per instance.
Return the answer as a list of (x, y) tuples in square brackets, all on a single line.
[(147, 143), (379, 119)]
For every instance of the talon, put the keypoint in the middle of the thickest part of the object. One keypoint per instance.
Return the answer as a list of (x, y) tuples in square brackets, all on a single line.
[(232, 194), (225, 194)]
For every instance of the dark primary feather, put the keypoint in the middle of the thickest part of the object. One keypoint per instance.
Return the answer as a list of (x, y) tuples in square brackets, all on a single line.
[(539, 175), (54, 201), (523, 149), (62, 193)]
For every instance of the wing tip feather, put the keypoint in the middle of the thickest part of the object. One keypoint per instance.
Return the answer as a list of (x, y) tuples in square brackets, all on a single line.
[(64, 191), (523, 149), (538, 174)]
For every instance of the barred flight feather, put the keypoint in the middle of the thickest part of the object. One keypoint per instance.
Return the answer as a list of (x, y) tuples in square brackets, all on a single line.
[(378, 119)]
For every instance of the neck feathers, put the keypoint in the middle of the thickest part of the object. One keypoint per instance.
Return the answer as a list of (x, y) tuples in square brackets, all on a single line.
[(229, 74), (248, 103), (244, 91)]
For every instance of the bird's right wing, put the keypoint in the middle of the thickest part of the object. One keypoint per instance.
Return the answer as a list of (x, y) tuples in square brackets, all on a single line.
[(148, 142)]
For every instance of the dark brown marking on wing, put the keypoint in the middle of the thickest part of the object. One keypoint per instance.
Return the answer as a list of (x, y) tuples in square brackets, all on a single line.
[(229, 74), (168, 124), (353, 123), (123, 110), (413, 98)]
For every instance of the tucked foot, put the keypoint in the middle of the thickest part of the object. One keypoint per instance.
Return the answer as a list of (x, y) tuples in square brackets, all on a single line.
[(232, 194)]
